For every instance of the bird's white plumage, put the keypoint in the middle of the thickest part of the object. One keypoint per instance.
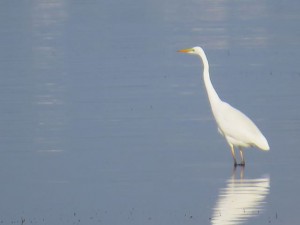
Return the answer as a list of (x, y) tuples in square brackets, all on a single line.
[(234, 125)]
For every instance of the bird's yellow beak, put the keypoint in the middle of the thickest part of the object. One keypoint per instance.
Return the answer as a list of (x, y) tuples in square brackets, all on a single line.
[(187, 50)]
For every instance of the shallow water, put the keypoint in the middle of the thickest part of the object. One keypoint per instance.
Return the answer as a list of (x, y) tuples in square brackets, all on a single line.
[(102, 122)]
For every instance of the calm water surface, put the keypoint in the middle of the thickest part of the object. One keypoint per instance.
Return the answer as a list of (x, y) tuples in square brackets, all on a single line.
[(102, 122)]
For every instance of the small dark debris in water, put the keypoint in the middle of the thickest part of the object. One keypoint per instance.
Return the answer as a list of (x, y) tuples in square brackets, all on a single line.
[(74, 213), (131, 211), (276, 216), (22, 220), (209, 218), (149, 218), (191, 217)]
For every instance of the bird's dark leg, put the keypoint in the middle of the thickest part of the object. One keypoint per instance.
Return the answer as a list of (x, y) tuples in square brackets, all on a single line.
[(242, 156), (233, 155)]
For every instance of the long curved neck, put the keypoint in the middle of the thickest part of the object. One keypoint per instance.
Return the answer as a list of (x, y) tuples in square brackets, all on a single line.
[(211, 92)]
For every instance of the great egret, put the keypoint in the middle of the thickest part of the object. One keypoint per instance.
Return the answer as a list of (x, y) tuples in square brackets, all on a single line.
[(238, 130)]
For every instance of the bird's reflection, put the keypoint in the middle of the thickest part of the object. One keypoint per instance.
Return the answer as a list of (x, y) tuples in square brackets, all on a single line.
[(241, 199)]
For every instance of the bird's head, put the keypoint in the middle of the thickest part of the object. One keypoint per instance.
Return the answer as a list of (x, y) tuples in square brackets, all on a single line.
[(193, 51)]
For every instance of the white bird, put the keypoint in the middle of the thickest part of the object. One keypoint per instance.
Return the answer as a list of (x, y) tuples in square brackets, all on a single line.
[(238, 130)]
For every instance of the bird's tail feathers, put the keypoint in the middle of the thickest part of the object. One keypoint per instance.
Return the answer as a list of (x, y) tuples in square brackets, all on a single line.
[(263, 144)]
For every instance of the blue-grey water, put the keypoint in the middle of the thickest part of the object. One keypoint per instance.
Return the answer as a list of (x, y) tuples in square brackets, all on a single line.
[(102, 122)]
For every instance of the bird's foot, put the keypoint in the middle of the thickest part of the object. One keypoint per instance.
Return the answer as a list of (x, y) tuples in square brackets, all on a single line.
[(239, 164)]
